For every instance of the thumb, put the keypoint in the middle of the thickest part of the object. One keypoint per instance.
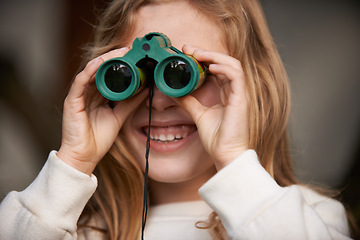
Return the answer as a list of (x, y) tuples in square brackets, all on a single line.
[(123, 108), (191, 105)]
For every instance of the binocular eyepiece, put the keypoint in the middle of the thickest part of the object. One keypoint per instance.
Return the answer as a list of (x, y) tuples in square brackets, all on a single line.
[(152, 58)]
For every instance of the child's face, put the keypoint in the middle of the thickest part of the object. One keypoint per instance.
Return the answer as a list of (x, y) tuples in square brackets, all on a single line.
[(174, 161)]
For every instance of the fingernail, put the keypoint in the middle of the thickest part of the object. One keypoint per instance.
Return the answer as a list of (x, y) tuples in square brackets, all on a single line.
[(97, 60), (124, 48)]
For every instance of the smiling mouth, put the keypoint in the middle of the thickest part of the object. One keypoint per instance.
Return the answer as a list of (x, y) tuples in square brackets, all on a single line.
[(169, 134)]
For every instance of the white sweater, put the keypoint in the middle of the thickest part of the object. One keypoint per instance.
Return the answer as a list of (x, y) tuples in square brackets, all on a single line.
[(249, 202)]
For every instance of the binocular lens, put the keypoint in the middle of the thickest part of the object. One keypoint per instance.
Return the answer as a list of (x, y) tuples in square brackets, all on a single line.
[(118, 78), (177, 74)]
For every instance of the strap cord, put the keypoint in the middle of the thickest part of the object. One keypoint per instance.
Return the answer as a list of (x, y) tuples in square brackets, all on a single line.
[(146, 173)]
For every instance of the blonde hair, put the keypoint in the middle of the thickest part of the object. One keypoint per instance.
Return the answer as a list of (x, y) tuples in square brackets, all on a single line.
[(118, 199)]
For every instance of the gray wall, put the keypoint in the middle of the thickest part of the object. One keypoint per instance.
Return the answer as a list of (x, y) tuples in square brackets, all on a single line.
[(32, 34), (320, 45)]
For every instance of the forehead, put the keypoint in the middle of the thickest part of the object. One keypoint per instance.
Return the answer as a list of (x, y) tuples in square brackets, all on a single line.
[(181, 22)]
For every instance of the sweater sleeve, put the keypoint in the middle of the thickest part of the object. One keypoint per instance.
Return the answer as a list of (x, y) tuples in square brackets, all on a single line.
[(252, 205), (50, 207)]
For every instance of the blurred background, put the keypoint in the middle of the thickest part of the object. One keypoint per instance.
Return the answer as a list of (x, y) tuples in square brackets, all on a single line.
[(40, 53)]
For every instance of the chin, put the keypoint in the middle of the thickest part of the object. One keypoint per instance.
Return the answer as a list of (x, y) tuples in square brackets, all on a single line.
[(179, 167)]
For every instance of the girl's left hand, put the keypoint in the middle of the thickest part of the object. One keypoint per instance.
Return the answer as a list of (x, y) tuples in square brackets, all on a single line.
[(224, 127)]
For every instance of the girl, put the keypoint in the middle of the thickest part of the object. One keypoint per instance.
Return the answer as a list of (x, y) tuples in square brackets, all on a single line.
[(219, 157)]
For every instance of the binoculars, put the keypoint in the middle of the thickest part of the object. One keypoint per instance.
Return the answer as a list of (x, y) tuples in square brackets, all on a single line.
[(152, 58)]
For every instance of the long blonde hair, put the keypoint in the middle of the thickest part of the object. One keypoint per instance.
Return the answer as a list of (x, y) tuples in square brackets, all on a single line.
[(118, 199)]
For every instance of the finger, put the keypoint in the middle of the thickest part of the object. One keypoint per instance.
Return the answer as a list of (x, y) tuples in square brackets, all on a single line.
[(227, 73), (120, 52), (211, 56), (93, 98), (191, 105), (189, 50), (216, 58), (83, 78)]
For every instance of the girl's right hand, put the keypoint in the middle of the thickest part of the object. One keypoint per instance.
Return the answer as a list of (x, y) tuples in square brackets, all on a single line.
[(90, 126)]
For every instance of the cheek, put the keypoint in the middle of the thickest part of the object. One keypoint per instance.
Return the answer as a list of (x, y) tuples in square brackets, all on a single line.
[(129, 132), (129, 135), (209, 93)]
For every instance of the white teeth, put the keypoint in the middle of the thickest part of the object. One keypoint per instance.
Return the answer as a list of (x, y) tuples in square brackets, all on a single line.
[(166, 138), (170, 137), (168, 134), (162, 137)]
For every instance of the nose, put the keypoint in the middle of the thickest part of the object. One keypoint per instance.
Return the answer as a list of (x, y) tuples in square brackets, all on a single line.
[(160, 101)]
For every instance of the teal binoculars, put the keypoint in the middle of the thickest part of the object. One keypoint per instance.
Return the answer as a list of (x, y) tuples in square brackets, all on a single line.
[(152, 58)]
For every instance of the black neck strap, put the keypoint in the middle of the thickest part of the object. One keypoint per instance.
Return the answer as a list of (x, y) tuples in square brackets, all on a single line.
[(145, 201)]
